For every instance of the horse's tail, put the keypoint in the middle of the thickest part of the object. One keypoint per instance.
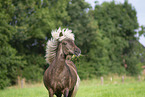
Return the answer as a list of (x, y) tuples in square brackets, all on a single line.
[(76, 86)]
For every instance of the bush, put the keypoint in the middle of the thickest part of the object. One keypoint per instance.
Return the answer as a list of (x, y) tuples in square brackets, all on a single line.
[(33, 73), (4, 81)]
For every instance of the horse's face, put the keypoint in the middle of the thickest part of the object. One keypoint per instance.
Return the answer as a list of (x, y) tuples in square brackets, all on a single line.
[(70, 48)]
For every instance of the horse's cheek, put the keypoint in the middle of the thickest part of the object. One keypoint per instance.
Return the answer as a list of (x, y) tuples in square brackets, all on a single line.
[(66, 51)]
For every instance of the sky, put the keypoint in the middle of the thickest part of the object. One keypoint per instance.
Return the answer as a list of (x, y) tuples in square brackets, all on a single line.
[(140, 9)]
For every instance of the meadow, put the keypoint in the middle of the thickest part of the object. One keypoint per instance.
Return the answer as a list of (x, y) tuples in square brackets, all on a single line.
[(88, 88)]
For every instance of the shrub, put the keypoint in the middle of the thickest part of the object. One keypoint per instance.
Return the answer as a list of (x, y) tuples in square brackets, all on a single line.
[(33, 73)]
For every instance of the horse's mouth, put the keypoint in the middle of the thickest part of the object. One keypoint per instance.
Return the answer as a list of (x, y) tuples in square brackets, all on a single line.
[(77, 52)]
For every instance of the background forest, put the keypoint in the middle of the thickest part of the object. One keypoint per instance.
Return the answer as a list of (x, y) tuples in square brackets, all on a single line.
[(106, 35)]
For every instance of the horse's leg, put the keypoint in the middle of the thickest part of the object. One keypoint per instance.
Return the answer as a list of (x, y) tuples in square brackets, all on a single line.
[(74, 91), (58, 95), (66, 92), (50, 93), (70, 93)]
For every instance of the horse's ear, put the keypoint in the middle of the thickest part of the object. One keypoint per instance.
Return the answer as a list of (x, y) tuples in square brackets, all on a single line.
[(60, 34)]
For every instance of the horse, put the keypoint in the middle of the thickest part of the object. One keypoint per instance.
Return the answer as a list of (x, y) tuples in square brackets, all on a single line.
[(61, 77)]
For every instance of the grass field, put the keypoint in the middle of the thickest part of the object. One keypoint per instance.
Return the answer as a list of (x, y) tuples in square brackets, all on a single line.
[(88, 88)]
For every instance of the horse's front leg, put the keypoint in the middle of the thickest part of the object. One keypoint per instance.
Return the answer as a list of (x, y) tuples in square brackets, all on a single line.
[(58, 95), (51, 93), (66, 92)]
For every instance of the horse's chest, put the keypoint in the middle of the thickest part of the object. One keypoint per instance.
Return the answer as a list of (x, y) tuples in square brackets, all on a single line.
[(59, 83), (60, 80)]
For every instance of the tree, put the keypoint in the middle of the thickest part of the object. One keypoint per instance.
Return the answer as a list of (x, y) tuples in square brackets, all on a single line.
[(118, 23), (10, 62), (33, 21), (89, 38)]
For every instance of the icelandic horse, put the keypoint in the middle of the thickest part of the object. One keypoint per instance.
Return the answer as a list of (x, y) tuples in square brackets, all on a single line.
[(61, 76)]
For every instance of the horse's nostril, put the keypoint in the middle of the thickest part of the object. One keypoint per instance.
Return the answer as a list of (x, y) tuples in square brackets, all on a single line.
[(76, 50)]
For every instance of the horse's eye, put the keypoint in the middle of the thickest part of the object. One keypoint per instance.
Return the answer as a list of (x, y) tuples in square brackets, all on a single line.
[(65, 43)]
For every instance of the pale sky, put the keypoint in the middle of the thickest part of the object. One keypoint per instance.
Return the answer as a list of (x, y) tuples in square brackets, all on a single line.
[(139, 6)]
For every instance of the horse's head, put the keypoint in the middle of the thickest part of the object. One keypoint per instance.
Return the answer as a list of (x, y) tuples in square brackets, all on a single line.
[(70, 48)]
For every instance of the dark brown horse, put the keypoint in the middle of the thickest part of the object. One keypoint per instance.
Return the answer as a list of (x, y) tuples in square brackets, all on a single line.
[(61, 76)]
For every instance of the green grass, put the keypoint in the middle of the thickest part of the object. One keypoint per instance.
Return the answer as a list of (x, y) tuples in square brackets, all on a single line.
[(112, 90), (88, 88)]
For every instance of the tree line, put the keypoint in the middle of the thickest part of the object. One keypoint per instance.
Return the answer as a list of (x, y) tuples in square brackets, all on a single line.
[(105, 35)]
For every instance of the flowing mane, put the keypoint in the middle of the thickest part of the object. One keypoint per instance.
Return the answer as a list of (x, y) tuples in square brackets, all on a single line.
[(52, 44)]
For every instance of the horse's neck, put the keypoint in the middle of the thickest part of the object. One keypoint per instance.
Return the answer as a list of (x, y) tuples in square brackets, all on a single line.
[(60, 58), (60, 55)]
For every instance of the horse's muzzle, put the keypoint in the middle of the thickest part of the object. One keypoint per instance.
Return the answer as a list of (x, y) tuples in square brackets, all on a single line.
[(77, 51)]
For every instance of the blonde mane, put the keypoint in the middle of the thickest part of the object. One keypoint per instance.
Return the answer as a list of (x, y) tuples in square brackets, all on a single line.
[(52, 44)]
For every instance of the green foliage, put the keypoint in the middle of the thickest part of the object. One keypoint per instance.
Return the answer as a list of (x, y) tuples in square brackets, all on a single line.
[(79, 22), (4, 81), (35, 60), (142, 31), (33, 73), (118, 23), (10, 62)]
